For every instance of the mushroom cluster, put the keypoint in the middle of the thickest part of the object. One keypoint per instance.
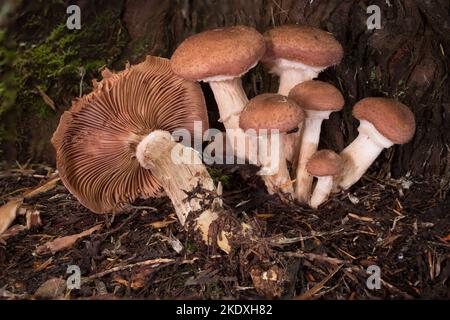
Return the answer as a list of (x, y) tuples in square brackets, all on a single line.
[(292, 119), (115, 145)]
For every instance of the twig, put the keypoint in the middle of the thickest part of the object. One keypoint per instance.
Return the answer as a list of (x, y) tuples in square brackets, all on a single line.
[(317, 257), (153, 263), (311, 292)]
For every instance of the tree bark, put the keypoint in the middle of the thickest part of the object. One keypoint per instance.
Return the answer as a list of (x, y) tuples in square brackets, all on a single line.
[(406, 59)]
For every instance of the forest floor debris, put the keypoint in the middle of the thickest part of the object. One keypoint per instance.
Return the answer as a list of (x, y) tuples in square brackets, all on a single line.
[(324, 253)]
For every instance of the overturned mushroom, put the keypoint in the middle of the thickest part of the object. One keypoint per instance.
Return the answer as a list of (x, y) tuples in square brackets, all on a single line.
[(383, 123), (298, 53), (270, 116), (220, 57), (319, 100), (96, 139), (114, 146), (324, 165)]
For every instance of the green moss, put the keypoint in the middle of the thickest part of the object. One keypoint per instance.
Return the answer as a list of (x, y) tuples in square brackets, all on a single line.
[(55, 61), (214, 291), (218, 175)]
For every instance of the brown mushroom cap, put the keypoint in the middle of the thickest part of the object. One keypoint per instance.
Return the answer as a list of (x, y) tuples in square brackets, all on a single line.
[(391, 118), (305, 44), (272, 112), (324, 163), (317, 95), (229, 51), (96, 139)]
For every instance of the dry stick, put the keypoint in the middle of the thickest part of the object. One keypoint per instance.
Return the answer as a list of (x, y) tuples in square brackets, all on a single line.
[(311, 292), (160, 262), (317, 257)]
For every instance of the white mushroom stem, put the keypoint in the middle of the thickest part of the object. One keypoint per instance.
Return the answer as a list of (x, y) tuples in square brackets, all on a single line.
[(291, 143), (180, 172), (322, 190), (308, 146), (274, 171), (361, 153), (234, 146), (230, 98), (292, 73)]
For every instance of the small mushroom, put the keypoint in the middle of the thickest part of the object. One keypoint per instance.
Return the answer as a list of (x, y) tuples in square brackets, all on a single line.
[(383, 122), (319, 100), (298, 53), (271, 116), (324, 165)]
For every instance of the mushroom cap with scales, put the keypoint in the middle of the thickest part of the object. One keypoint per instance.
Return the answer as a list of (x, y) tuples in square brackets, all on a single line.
[(392, 119), (317, 95), (302, 44), (96, 138), (271, 111), (324, 163), (218, 54)]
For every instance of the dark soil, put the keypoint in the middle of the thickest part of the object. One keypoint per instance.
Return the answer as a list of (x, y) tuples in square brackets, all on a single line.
[(399, 225)]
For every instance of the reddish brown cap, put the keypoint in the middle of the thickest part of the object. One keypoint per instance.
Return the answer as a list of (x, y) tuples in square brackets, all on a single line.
[(305, 44), (96, 139), (228, 52), (272, 112), (391, 118), (324, 163), (317, 95)]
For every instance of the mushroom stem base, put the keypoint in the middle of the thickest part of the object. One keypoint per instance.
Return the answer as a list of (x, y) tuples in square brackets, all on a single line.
[(357, 157), (185, 180), (321, 191), (308, 146), (274, 171)]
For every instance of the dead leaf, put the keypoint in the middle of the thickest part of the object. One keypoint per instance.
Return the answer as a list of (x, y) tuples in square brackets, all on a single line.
[(162, 223), (121, 280), (51, 289), (11, 232), (48, 101), (138, 280), (63, 243), (8, 213), (50, 184)]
